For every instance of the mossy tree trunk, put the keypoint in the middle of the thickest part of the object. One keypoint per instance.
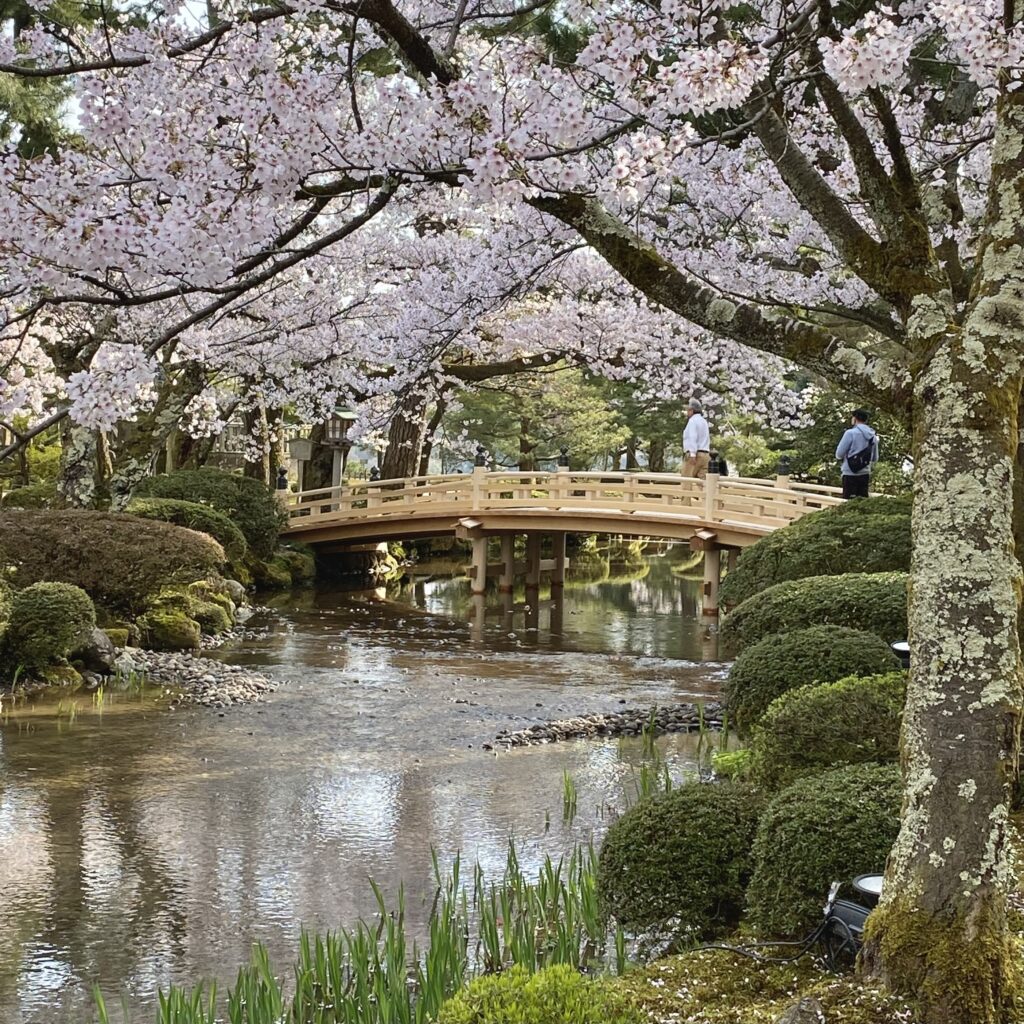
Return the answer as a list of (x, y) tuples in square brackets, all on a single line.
[(405, 438), (940, 932)]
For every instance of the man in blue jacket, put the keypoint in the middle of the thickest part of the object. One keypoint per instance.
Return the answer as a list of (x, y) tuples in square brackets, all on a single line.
[(857, 451)]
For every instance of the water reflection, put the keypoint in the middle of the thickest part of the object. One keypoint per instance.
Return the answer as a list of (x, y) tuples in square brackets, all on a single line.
[(140, 846)]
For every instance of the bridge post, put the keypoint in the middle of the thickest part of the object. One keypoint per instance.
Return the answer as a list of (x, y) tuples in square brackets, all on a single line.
[(507, 581), (558, 553), (712, 578), (710, 496), (479, 475), (533, 560), (478, 584)]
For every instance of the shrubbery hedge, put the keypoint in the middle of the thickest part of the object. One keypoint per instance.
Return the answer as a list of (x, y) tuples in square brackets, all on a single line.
[(117, 559), (678, 863), (555, 995), (47, 622), (874, 602), (251, 506), (848, 722), (193, 516), (868, 535), (823, 828), (784, 661)]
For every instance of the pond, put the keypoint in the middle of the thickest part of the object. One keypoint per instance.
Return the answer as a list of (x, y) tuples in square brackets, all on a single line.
[(140, 845)]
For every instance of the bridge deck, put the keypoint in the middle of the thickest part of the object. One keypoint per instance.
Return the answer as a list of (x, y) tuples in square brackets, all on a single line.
[(740, 510)]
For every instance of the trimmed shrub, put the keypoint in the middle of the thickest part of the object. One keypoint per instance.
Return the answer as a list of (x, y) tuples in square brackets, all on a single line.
[(47, 622), (166, 629), (118, 560), (821, 829), (785, 661), (874, 602), (816, 727), (118, 636), (251, 506), (38, 495), (678, 863), (868, 535), (554, 995), (193, 516)]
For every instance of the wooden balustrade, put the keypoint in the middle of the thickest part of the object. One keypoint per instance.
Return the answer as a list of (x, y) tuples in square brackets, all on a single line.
[(760, 505)]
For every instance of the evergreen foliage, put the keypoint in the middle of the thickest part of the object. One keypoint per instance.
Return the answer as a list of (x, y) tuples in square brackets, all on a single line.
[(47, 622), (784, 661), (193, 516), (873, 602), (822, 828), (812, 728), (678, 863)]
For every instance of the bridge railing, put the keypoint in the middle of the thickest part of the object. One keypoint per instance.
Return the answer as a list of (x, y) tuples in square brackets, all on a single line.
[(762, 504)]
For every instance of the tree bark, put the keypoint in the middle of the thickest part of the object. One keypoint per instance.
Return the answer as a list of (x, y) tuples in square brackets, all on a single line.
[(405, 438), (940, 931), (656, 457)]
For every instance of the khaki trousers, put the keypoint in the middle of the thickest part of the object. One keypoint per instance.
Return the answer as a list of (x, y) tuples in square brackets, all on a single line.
[(696, 465)]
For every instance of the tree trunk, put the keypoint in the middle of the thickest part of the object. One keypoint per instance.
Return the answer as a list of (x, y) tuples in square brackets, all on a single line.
[(940, 931), (656, 457), (428, 438), (257, 460), (405, 438), (78, 473), (526, 462)]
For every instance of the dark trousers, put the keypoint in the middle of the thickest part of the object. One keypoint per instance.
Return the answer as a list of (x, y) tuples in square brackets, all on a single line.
[(856, 486)]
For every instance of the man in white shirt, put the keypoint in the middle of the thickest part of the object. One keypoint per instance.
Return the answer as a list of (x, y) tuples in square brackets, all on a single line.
[(696, 442)]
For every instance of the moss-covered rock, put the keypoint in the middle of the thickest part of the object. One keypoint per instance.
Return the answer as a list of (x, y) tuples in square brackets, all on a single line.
[(47, 622), (250, 505), (812, 728), (866, 536), (118, 560), (194, 516), (554, 995), (212, 618), (785, 661), (118, 636), (873, 602), (301, 562), (59, 675), (273, 574), (169, 629), (676, 865), (822, 828)]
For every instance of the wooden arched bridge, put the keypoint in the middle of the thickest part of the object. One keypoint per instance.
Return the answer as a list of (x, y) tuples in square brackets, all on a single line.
[(715, 514)]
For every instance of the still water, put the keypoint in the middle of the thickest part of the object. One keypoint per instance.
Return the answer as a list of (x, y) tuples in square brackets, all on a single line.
[(141, 846)]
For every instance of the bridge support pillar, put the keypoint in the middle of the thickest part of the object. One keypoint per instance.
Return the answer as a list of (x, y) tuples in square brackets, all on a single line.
[(532, 561), (478, 569), (506, 583), (558, 555), (712, 577)]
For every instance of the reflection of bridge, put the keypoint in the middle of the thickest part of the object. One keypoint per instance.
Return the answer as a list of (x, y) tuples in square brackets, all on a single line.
[(716, 514)]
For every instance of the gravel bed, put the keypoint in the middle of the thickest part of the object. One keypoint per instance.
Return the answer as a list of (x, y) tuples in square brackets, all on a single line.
[(200, 681), (628, 722)]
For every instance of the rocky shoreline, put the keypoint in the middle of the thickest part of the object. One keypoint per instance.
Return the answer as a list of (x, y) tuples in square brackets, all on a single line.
[(685, 717), (198, 681)]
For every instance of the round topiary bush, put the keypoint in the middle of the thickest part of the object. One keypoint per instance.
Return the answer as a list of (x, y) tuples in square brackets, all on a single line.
[(785, 661), (868, 535), (47, 622), (250, 505), (554, 995), (822, 828), (873, 602), (677, 864), (118, 560), (815, 727), (193, 516)]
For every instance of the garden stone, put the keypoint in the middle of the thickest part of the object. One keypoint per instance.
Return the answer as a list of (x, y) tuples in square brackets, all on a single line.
[(806, 1011), (235, 591), (97, 654)]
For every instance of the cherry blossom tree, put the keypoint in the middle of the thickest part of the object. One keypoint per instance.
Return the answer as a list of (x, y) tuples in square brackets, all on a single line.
[(377, 195)]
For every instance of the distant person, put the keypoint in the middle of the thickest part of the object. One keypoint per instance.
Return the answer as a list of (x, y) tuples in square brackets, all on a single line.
[(857, 450), (696, 441)]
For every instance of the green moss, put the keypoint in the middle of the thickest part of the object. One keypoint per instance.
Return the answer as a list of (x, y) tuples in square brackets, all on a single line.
[(873, 602), (676, 865), (212, 618), (785, 661), (47, 622), (555, 995), (300, 560), (823, 828), (118, 637), (716, 987), (972, 969), (851, 721), (39, 495), (59, 675), (275, 574), (871, 535), (169, 630)]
